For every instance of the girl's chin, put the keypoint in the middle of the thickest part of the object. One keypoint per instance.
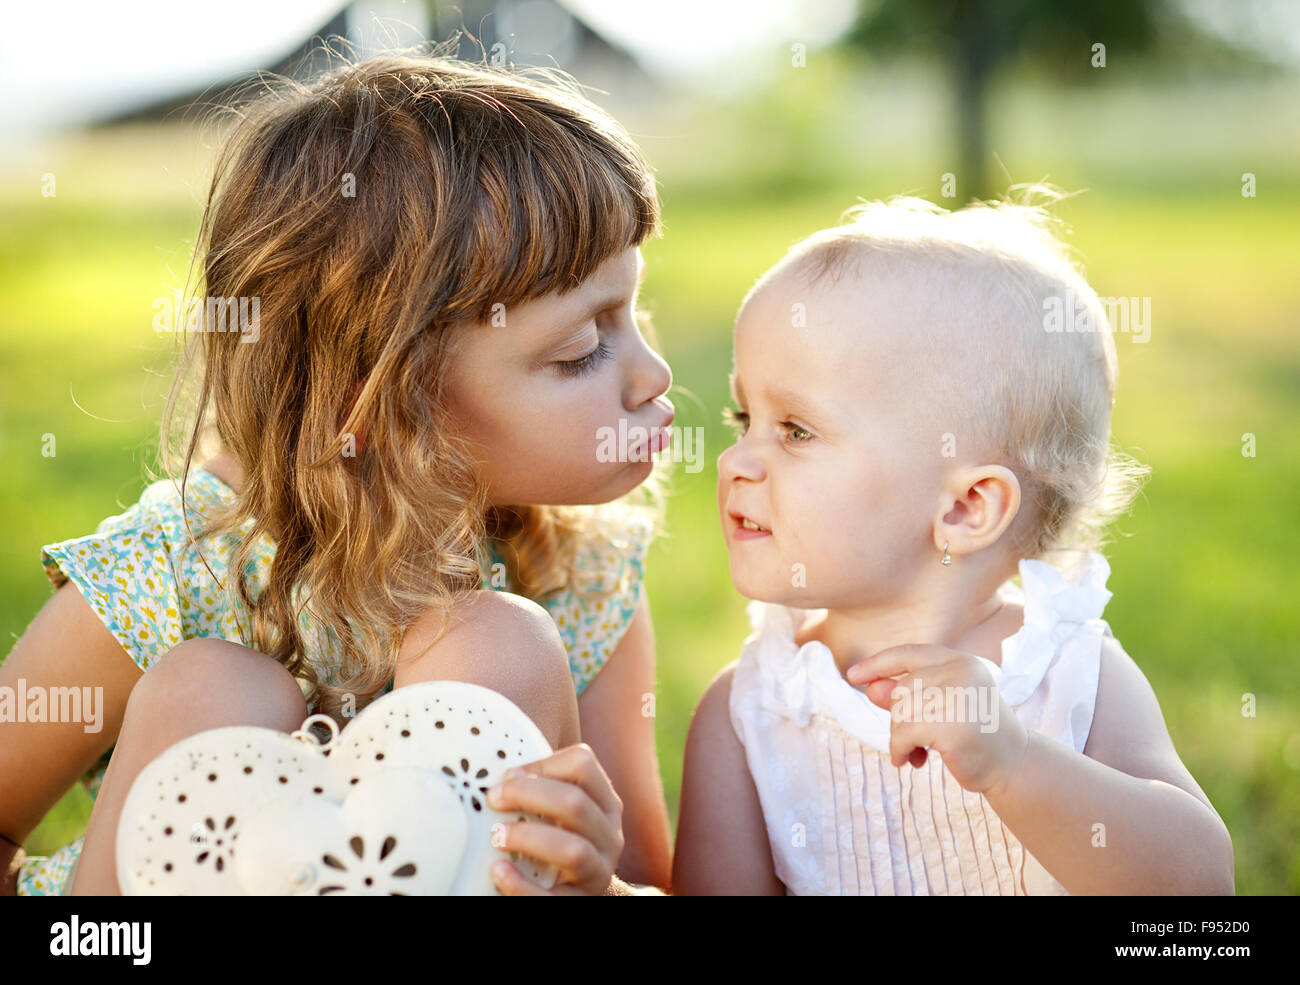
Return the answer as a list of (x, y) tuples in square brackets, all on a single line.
[(631, 475), (603, 489)]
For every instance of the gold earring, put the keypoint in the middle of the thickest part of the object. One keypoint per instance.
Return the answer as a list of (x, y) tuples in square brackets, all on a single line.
[(946, 559)]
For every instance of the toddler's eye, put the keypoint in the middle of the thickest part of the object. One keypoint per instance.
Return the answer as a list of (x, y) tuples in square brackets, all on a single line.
[(737, 419), (579, 367), (791, 429)]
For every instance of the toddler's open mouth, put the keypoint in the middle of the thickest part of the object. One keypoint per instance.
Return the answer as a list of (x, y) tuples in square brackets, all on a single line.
[(744, 528)]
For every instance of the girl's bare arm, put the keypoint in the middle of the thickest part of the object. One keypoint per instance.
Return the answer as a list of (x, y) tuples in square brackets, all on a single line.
[(66, 646), (1125, 818), (618, 723), (722, 846)]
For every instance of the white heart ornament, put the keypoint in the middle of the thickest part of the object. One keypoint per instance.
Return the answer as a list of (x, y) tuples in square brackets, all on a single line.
[(180, 822), (471, 735), (322, 819), (397, 833)]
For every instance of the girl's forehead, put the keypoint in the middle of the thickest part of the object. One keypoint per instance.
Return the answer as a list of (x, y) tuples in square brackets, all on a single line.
[(610, 285), (531, 329)]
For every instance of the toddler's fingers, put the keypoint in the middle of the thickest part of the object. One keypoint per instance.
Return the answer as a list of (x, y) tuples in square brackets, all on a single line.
[(896, 660), (879, 691), (906, 739)]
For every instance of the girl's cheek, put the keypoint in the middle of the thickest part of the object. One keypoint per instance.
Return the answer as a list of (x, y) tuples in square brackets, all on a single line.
[(595, 427)]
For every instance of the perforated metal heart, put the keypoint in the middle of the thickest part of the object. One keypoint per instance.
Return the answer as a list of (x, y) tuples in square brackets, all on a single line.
[(181, 821), (471, 735), (186, 811), (397, 833)]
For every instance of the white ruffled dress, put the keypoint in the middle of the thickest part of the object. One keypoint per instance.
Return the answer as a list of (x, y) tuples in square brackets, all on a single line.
[(841, 820)]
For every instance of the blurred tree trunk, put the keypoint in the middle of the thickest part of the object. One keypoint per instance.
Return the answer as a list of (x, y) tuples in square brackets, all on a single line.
[(972, 66)]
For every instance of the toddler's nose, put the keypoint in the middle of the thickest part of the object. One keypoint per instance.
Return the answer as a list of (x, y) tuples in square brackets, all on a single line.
[(737, 463)]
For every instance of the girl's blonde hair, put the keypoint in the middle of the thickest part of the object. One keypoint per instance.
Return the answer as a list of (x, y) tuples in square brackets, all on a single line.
[(1038, 398), (374, 215)]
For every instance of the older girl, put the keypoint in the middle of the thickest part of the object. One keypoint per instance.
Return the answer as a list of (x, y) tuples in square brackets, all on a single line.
[(445, 263)]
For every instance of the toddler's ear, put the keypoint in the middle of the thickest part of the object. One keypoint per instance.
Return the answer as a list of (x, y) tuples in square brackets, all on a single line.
[(978, 506)]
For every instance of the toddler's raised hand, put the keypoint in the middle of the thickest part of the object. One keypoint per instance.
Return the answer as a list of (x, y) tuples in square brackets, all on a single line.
[(964, 719)]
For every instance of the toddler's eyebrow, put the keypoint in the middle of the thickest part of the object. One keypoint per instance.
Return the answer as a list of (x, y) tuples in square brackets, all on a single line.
[(783, 395)]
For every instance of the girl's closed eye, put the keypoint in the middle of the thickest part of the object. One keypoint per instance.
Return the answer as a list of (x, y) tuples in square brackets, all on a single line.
[(584, 365), (739, 419)]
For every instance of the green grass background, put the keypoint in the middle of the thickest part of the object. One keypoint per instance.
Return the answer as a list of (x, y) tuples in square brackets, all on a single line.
[(1204, 577)]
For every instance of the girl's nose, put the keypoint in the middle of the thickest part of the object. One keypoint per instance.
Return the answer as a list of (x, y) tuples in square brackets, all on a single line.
[(651, 375)]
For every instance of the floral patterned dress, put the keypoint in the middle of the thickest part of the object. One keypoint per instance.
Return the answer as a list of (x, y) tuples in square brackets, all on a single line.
[(144, 577)]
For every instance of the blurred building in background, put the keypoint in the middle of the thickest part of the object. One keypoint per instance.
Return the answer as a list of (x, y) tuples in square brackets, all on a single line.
[(496, 32)]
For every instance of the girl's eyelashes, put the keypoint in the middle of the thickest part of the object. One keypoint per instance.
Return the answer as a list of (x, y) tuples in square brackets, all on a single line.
[(739, 420), (580, 367)]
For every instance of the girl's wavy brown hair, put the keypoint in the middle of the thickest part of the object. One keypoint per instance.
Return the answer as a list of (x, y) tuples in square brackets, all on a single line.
[(375, 214)]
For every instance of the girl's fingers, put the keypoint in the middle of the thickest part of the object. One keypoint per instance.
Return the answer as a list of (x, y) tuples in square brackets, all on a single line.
[(585, 840), (511, 882), (575, 857), (577, 764), (567, 804)]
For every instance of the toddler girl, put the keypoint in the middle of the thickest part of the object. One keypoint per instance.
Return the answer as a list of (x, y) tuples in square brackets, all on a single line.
[(903, 719)]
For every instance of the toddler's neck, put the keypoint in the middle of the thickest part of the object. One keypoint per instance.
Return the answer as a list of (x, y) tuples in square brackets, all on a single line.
[(978, 627)]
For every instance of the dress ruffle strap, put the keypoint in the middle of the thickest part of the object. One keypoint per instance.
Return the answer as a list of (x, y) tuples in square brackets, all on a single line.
[(1062, 629), (800, 682), (1057, 609)]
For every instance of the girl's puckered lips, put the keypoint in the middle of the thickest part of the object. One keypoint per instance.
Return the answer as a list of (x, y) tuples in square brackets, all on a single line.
[(661, 436)]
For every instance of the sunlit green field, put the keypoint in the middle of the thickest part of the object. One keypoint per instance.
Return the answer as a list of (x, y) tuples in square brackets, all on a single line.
[(1203, 579)]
